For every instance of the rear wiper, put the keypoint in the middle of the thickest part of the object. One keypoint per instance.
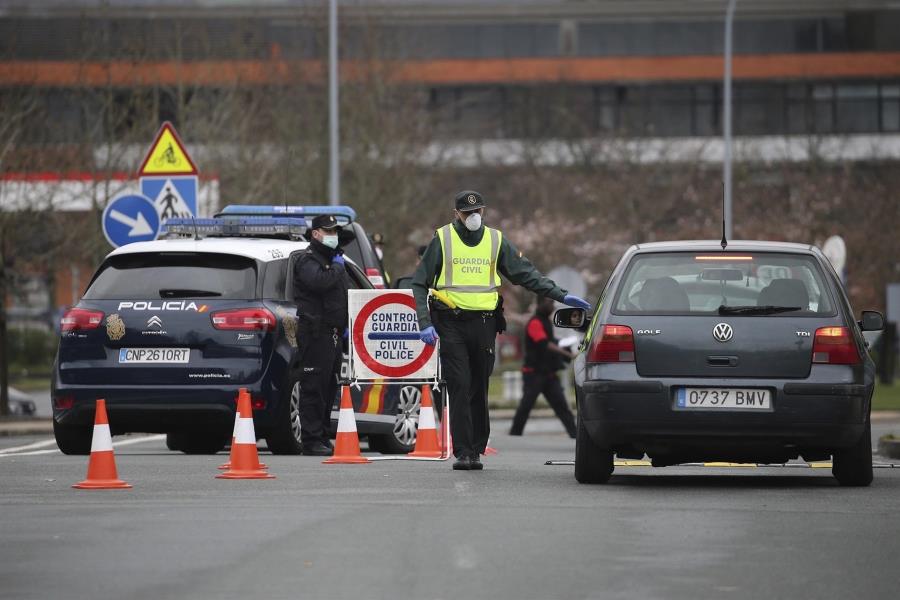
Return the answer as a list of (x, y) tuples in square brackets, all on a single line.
[(756, 310), (187, 293)]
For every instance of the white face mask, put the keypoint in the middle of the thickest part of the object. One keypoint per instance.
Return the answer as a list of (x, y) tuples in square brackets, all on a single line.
[(473, 221), (330, 240)]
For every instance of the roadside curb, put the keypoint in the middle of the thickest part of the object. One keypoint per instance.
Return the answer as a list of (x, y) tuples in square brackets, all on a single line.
[(26, 427), (881, 416)]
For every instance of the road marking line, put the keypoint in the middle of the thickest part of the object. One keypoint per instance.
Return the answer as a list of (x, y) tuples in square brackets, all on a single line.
[(33, 446), (130, 442), (729, 464)]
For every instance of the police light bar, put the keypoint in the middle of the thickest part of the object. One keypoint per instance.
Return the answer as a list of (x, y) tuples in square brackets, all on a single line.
[(242, 227), (344, 214)]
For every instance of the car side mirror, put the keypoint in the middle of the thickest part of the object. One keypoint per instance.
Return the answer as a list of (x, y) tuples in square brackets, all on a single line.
[(571, 318), (872, 320)]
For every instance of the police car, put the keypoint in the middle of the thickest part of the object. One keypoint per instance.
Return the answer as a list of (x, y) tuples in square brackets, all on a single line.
[(354, 240), (169, 330)]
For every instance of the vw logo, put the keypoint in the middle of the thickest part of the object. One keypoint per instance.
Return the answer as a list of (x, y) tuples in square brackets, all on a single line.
[(723, 332)]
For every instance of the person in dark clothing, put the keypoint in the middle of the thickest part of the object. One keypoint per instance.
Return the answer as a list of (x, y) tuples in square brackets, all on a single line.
[(543, 358), (460, 273), (320, 289)]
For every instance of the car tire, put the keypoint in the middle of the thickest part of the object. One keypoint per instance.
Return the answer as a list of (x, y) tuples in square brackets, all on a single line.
[(853, 466), (175, 441), (284, 436), (593, 464), (402, 440), (73, 439), (201, 443)]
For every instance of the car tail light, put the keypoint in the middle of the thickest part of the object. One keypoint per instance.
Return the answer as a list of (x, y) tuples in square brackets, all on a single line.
[(374, 276), (244, 319), (834, 346), (64, 402), (613, 343), (257, 402), (80, 319)]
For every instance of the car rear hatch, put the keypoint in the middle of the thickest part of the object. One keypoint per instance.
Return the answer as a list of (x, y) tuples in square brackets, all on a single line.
[(168, 319), (751, 315)]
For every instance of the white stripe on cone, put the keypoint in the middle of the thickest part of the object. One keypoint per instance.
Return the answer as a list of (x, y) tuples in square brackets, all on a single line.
[(244, 433), (346, 421), (102, 439), (426, 418), (237, 416)]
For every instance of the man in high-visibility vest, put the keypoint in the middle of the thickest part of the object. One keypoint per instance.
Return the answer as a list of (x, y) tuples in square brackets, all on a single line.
[(461, 271)]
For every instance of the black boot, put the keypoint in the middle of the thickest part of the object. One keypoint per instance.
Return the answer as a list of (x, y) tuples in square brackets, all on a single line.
[(463, 463), (476, 463)]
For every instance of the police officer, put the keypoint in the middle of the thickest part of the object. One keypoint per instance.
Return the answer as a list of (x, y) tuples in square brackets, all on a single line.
[(461, 268), (543, 358), (320, 289)]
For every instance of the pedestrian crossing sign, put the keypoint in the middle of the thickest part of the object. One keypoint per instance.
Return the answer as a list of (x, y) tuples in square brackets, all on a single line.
[(167, 155)]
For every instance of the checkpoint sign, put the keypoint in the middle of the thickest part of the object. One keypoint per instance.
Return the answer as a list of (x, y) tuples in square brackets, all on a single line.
[(385, 337)]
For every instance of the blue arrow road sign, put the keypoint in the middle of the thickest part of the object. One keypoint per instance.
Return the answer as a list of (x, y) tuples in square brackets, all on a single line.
[(130, 218), (172, 195)]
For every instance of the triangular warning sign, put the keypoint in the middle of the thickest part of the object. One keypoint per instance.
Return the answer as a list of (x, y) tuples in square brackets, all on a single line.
[(167, 155), (169, 203)]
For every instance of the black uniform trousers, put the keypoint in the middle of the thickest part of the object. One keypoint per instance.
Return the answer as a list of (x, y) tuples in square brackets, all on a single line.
[(467, 361), (534, 384), (318, 363)]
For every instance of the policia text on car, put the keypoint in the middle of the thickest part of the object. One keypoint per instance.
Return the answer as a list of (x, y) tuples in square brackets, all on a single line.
[(460, 273)]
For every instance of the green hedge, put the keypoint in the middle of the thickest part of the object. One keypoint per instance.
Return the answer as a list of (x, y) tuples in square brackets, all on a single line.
[(30, 350)]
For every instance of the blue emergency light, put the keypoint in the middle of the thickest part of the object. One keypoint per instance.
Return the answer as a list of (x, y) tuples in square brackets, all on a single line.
[(290, 227), (343, 214)]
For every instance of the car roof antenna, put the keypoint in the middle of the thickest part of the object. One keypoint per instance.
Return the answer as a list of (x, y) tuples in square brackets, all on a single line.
[(196, 232), (724, 241)]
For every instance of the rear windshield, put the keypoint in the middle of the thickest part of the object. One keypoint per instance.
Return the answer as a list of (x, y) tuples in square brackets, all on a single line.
[(174, 275), (682, 283)]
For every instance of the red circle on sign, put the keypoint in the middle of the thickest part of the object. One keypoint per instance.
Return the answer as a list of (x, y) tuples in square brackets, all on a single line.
[(360, 345)]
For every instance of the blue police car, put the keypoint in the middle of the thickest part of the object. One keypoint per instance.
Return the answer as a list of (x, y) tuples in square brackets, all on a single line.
[(169, 330)]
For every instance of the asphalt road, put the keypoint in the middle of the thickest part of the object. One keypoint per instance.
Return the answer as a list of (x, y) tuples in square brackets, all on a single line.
[(519, 529)]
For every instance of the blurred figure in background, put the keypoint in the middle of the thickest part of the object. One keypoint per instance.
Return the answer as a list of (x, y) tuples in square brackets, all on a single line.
[(543, 358), (405, 282)]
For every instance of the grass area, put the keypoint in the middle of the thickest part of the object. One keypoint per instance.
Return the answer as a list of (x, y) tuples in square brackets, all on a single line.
[(887, 397), (30, 384)]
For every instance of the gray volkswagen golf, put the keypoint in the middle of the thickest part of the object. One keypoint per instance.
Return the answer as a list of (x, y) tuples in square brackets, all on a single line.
[(748, 353)]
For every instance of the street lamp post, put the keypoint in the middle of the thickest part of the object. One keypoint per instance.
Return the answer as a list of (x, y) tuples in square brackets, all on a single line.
[(334, 167), (726, 110)]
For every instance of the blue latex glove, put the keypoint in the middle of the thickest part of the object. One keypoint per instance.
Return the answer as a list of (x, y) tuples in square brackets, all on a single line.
[(429, 336), (338, 258), (576, 302)]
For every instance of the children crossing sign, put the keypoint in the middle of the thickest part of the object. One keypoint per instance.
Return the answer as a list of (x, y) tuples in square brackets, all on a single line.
[(384, 337)]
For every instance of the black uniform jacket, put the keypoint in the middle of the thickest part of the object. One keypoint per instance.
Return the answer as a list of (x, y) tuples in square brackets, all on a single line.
[(320, 288)]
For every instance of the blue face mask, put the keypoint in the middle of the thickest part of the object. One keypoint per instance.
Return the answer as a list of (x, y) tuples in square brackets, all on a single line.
[(330, 240)]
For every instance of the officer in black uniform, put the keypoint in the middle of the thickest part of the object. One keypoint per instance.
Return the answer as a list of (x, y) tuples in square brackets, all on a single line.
[(320, 289), (543, 358), (466, 314)]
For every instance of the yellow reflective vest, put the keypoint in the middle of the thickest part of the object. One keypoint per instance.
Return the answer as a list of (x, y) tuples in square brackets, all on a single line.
[(469, 273)]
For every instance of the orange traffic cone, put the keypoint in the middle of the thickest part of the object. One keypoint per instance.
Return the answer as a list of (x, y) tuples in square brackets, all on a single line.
[(244, 457), (237, 414), (101, 473), (427, 444), (346, 447)]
